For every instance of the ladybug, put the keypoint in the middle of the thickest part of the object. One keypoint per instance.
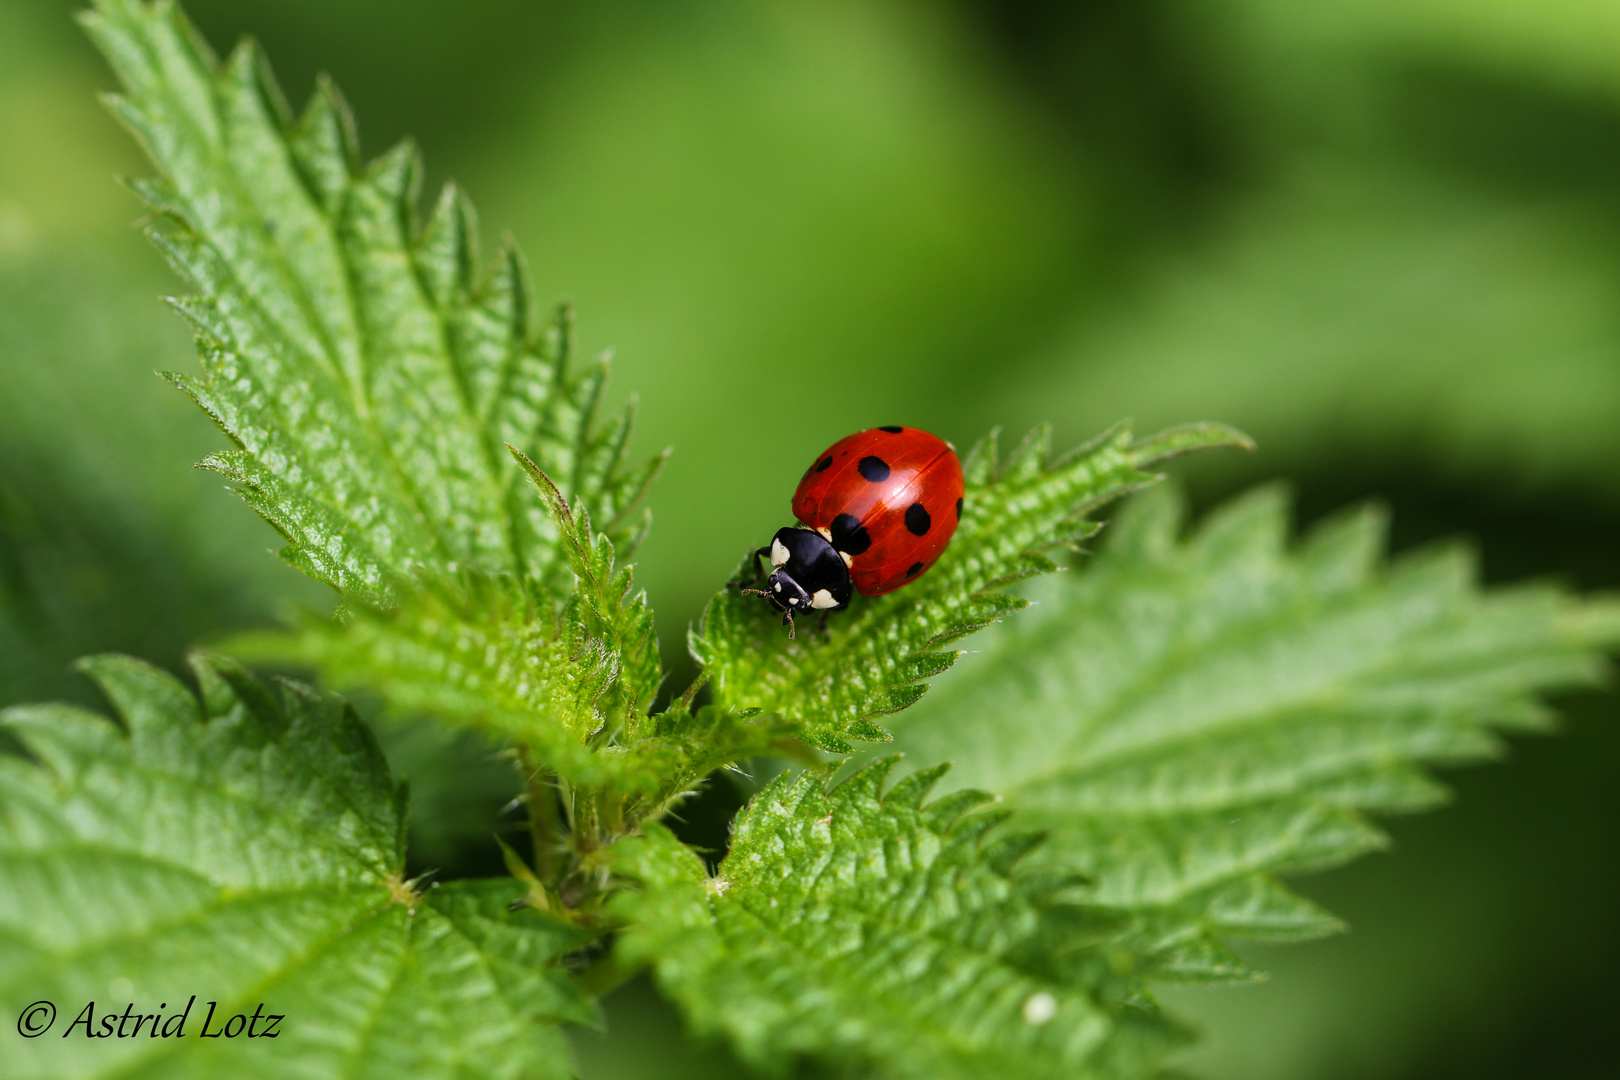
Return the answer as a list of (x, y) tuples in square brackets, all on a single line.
[(877, 509)]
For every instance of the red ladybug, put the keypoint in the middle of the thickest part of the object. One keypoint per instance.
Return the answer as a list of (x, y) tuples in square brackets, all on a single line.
[(878, 508)]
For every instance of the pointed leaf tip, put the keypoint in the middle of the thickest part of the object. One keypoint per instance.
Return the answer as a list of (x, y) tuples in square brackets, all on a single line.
[(1176, 441)]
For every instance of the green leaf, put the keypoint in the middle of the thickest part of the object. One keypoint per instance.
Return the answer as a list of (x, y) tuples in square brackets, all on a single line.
[(489, 651), (603, 620), (480, 651), (245, 846), (872, 929), (498, 660), (874, 659), (1189, 716), (369, 371)]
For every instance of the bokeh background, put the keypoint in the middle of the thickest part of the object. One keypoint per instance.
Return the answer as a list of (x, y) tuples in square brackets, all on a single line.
[(1383, 236)]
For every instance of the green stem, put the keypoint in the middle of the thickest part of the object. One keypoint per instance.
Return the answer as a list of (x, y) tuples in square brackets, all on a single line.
[(587, 835), (544, 826)]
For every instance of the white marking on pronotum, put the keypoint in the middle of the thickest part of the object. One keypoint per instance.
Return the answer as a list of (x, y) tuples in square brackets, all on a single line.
[(1039, 1007), (826, 533), (779, 552), (821, 598), (849, 560)]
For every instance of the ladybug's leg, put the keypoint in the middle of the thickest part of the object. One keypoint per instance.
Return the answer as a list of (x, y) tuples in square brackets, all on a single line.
[(758, 573), (821, 626)]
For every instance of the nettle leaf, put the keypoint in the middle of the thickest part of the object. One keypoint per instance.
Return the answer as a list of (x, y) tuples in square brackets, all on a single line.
[(875, 657), (369, 371), (1188, 716), (873, 928), (603, 621), (488, 651), (245, 846)]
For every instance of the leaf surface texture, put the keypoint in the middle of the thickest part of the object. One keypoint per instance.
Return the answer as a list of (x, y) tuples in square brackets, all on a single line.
[(246, 846), (371, 375), (876, 929), (1189, 714)]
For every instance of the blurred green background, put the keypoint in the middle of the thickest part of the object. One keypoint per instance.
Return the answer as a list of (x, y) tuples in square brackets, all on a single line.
[(1383, 237)]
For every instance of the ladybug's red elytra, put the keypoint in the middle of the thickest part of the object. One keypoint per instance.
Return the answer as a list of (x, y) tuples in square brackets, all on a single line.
[(877, 509)]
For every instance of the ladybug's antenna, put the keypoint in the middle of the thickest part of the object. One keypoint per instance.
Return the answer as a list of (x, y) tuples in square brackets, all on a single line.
[(787, 613)]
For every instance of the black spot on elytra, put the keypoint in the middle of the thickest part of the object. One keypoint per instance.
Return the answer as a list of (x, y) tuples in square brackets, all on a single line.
[(848, 535), (892, 429), (913, 570), (917, 519), (958, 509), (823, 464), (874, 469)]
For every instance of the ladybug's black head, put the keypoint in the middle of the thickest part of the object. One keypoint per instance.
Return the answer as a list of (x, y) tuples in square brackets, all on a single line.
[(807, 574), (786, 593)]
